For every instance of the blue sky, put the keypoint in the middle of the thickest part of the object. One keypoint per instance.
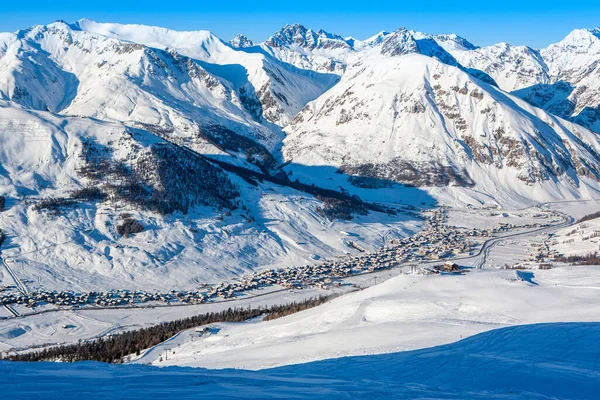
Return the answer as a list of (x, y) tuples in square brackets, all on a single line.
[(533, 22)]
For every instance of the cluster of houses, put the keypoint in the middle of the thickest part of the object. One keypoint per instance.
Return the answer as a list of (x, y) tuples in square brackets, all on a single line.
[(437, 241), (543, 251), (110, 298)]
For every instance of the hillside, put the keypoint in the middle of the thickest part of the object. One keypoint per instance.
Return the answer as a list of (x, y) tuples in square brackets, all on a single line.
[(108, 126), (526, 362), (414, 120)]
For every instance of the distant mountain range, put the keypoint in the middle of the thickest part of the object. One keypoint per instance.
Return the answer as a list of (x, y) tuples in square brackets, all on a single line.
[(165, 123)]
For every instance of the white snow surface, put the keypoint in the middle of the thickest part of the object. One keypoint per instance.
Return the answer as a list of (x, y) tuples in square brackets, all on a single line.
[(404, 313), (579, 239), (525, 362), (411, 108), (290, 88)]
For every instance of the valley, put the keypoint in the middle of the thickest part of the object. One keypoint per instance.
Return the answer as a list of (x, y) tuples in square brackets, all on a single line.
[(492, 249), (315, 200)]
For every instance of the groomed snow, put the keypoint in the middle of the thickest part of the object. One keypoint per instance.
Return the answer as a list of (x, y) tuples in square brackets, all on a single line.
[(404, 313), (523, 362)]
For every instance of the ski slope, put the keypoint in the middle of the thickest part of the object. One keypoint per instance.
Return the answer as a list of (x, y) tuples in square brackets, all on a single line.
[(407, 312), (540, 361)]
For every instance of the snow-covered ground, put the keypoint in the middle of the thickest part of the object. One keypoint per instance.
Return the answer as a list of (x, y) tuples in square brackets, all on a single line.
[(580, 239), (545, 361), (48, 328), (404, 313), (80, 249), (394, 103)]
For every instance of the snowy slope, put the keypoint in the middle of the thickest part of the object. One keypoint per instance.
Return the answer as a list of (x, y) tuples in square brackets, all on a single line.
[(414, 119), (562, 78), (580, 239), (281, 88), (406, 111), (308, 49), (320, 50), (524, 362), (453, 42), (574, 64), (79, 248), (512, 67), (73, 72), (404, 313), (240, 41)]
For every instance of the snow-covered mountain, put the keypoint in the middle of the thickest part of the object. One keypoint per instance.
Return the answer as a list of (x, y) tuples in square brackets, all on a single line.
[(512, 67), (97, 119), (416, 120), (454, 42), (302, 38), (281, 89), (241, 42), (562, 78), (72, 72), (308, 49), (574, 90)]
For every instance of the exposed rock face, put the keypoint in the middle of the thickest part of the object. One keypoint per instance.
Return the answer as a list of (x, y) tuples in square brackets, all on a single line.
[(412, 119), (563, 78), (241, 42), (305, 38)]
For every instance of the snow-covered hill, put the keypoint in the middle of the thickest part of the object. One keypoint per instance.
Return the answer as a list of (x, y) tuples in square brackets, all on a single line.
[(416, 120), (406, 312), (101, 114), (525, 362), (281, 88)]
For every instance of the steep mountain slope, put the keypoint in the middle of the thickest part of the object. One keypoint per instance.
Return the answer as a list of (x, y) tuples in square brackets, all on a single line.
[(454, 42), (282, 89), (416, 120), (308, 49), (324, 51), (512, 67), (574, 90), (71, 181), (73, 72), (240, 41), (562, 78), (93, 118)]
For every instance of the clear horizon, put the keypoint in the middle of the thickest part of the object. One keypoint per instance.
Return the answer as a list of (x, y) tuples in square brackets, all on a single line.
[(536, 24)]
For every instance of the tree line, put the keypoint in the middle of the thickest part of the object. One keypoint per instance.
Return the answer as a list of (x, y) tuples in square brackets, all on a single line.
[(114, 348), (588, 259), (589, 217)]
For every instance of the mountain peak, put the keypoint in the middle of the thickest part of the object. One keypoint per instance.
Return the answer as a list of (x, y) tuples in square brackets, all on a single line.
[(298, 35), (454, 42), (240, 41), (404, 41), (582, 37), (399, 43)]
